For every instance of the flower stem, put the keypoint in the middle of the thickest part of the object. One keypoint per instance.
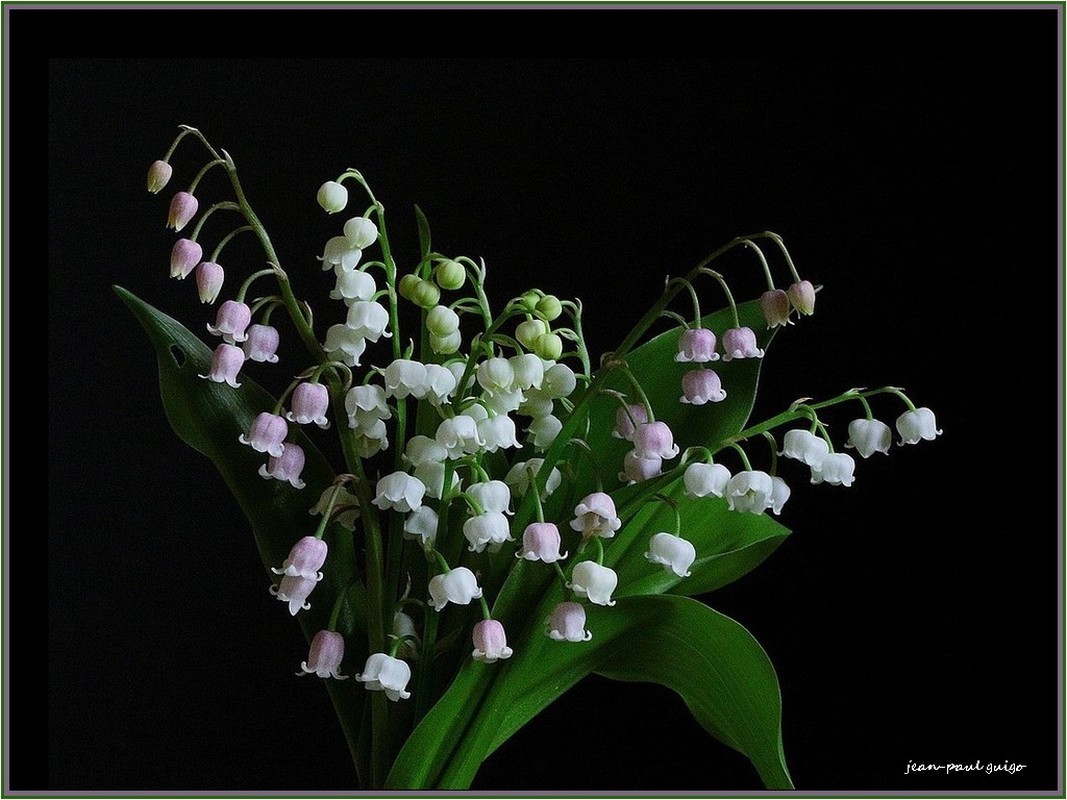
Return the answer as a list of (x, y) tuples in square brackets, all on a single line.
[(766, 267), (226, 240)]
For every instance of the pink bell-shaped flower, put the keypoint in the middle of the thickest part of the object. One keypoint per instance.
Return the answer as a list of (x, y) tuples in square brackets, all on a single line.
[(740, 343), (654, 440), (490, 642), (674, 553), (802, 296), (159, 176), (324, 659), (869, 436), (383, 673), (696, 345), (566, 623), (594, 581), (595, 515), (262, 344), (635, 468), (624, 425), (294, 590), (267, 434), (705, 480), (183, 208), (226, 363), (209, 278), (310, 402), (231, 321), (457, 586), (184, 257), (774, 304), (541, 542), (305, 559), (287, 466), (700, 386)]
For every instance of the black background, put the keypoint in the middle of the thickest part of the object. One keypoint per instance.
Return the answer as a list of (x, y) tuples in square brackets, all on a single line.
[(908, 157)]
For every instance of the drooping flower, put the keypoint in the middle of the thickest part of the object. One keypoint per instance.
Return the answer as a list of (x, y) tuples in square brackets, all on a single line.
[(159, 175), (493, 496), (369, 320), (654, 440), (518, 477), (490, 642), (183, 208), (869, 436), (496, 375), (421, 524), (543, 431), (345, 341), (697, 345), (625, 419), (267, 434), (559, 381), (310, 402), (383, 673), (674, 553), (774, 304), (404, 629), (287, 466), (305, 559), (340, 254), (635, 468), (442, 321), (457, 586), (209, 278), (332, 196), (705, 480), (489, 529), (294, 590), (700, 386), (345, 507), (566, 623), (498, 433), (594, 581), (459, 436), (231, 321), (405, 377), (595, 515), (432, 473), (353, 286), (361, 232), (184, 257), (262, 344), (324, 658), (226, 363), (780, 492), (366, 402), (400, 492), (836, 469), (804, 446), (916, 425), (802, 296), (541, 542), (423, 449), (740, 343), (749, 491)]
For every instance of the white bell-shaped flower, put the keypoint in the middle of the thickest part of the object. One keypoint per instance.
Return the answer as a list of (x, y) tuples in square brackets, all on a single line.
[(383, 673), (369, 320), (804, 446), (749, 491), (459, 436), (400, 492), (484, 530), (496, 375), (354, 286), (405, 377), (492, 496), (535, 403), (361, 232), (422, 449), (566, 623), (345, 344), (869, 436), (294, 590), (560, 381), (594, 581), (498, 432), (529, 371), (780, 492), (504, 402), (518, 477), (836, 469), (916, 425), (366, 400), (457, 586), (432, 474), (705, 480), (440, 383), (339, 253), (673, 552), (543, 431), (421, 524)]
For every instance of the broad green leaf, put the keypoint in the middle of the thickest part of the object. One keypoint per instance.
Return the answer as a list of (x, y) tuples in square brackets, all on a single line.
[(661, 378), (716, 666), (210, 417)]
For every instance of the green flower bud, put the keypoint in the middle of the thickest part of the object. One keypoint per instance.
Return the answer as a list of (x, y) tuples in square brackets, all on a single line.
[(446, 345), (425, 295), (441, 321), (528, 331), (450, 274), (530, 300), (549, 307), (549, 346), (408, 285)]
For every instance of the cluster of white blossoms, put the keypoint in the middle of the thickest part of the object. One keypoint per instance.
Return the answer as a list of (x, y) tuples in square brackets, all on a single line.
[(495, 399)]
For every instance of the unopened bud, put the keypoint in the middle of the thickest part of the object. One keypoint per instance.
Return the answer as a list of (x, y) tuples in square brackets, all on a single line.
[(407, 286), (441, 321), (450, 274), (446, 345), (332, 196), (528, 331), (775, 307), (183, 208), (530, 300), (549, 346), (802, 296), (159, 175), (425, 294), (209, 277), (549, 307)]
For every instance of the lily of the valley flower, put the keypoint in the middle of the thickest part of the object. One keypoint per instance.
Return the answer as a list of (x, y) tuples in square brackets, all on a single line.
[(231, 321), (804, 446), (774, 305), (491, 529), (836, 469), (566, 623), (635, 468), (400, 492), (490, 642), (595, 515), (780, 492), (287, 466), (383, 673), (869, 436), (183, 208), (457, 586), (749, 491), (294, 590), (697, 345), (700, 386), (305, 559), (262, 344), (594, 581), (226, 363), (625, 419), (654, 440), (705, 480), (740, 343), (802, 296), (209, 278), (309, 403), (184, 257), (541, 542), (267, 434), (345, 341), (674, 553), (324, 659), (916, 425), (518, 477), (421, 524)]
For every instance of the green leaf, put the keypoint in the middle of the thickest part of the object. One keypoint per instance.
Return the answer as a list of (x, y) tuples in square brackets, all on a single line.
[(209, 417), (424, 232), (660, 376), (720, 671)]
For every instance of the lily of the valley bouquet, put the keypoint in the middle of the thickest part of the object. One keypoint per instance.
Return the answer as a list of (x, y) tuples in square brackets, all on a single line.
[(504, 512)]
